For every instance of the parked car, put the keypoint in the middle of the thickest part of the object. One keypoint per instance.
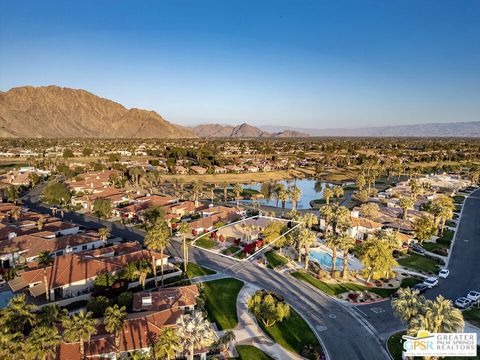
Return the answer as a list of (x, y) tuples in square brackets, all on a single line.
[(417, 248), (421, 287), (463, 303), (444, 273), (431, 282), (474, 296)]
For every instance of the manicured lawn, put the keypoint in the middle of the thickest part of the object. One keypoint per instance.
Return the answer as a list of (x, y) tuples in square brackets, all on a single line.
[(248, 352), (472, 315), (447, 235), (205, 242), (275, 259), (394, 344), (421, 263), (458, 199), (221, 301), (194, 270), (335, 289), (230, 250), (430, 246), (292, 333)]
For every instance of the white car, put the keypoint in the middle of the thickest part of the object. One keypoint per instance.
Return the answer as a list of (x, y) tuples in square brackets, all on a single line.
[(463, 303), (431, 282), (474, 296), (443, 273)]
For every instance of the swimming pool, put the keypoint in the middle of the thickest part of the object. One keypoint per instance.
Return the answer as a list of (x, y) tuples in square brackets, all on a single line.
[(4, 297), (325, 259)]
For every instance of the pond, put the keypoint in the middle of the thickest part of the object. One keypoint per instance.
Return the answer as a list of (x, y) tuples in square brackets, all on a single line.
[(311, 190)]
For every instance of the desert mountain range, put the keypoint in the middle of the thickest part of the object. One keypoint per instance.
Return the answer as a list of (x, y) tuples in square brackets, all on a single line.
[(56, 112)]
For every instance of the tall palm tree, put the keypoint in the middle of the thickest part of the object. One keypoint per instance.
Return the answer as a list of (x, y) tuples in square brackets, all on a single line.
[(80, 327), (309, 239), (327, 214), (114, 319), (40, 223), (225, 186), (11, 344), (443, 213), (211, 189), (309, 219), (15, 213), (408, 304), (346, 243), (295, 194), (44, 340), (327, 194), (137, 270), (18, 314), (165, 345), (153, 215), (184, 230), (197, 187), (278, 188), (283, 196), (224, 341), (51, 314), (181, 184), (157, 239), (338, 192), (405, 203), (237, 190), (194, 331), (333, 242), (103, 233), (45, 260), (341, 220)]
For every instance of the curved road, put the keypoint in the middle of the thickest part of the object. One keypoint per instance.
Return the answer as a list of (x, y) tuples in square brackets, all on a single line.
[(345, 334)]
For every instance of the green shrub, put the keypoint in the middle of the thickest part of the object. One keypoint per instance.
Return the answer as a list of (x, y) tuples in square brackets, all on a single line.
[(125, 299), (98, 305)]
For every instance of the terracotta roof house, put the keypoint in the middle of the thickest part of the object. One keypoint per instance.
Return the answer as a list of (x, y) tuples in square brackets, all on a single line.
[(180, 170), (74, 274), (198, 170), (184, 297), (362, 227)]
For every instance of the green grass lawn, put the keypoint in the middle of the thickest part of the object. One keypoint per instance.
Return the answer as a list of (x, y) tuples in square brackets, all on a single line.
[(248, 352), (275, 259), (458, 199), (194, 270), (221, 301), (430, 246), (205, 242), (421, 263), (394, 344), (292, 333), (472, 315), (336, 289), (447, 235), (230, 250)]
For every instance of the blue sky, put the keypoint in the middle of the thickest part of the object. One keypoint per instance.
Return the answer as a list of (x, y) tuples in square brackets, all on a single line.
[(301, 63)]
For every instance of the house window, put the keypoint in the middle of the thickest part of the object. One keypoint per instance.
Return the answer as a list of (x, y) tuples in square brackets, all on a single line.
[(59, 253), (75, 248), (84, 247)]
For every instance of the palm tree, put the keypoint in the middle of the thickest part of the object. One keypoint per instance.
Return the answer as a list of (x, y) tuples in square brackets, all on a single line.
[(194, 331), (338, 192), (278, 188), (438, 316), (443, 213), (137, 270), (18, 314), (346, 243), (197, 189), (224, 341), (333, 242), (11, 345), (184, 230), (15, 213), (44, 340), (309, 219), (341, 219), (211, 188), (181, 184), (157, 239), (237, 190), (327, 194), (114, 319), (327, 214), (80, 327), (308, 239), (44, 260), (40, 223), (225, 186), (103, 233), (295, 194), (283, 196), (408, 304), (405, 203), (51, 314), (165, 345), (153, 215)]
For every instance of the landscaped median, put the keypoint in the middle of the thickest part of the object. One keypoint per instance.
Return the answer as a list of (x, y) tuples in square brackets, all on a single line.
[(337, 288)]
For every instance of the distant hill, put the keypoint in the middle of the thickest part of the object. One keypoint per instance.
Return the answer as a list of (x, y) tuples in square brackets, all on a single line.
[(56, 112), (458, 129), (240, 131)]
